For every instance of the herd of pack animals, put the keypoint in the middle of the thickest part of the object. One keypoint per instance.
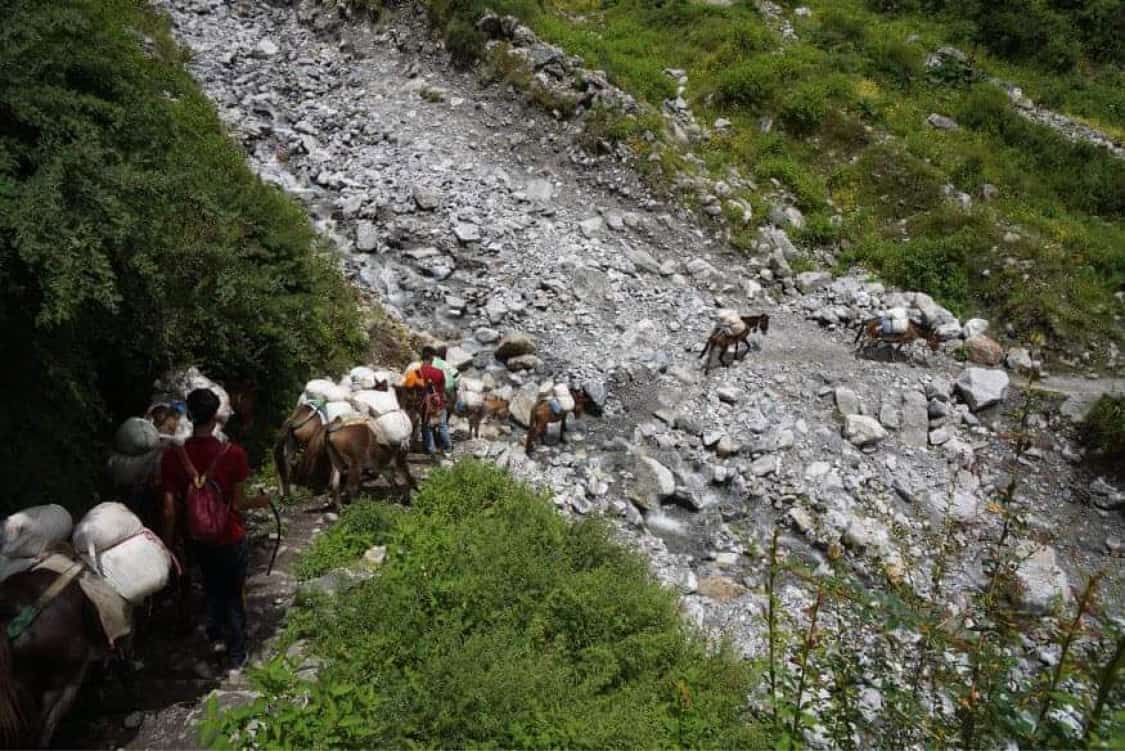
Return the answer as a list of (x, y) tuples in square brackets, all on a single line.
[(41, 671)]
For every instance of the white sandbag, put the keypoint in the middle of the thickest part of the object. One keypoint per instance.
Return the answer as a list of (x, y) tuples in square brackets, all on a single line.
[(475, 385), (388, 377), (899, 325), (136, 436), (393, 428), (897, 313), (27, 533), (728, 316), (128, 472), (362, 377), (322, 389), (13, 566), (136, 567), (176, 386), (470, 399), (561, 390), (334, 410), (374, 403), (546, 390), (566, 403), (104, 526)]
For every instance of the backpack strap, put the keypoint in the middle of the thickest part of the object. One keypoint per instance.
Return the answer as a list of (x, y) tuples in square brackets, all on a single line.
[(200, 480)]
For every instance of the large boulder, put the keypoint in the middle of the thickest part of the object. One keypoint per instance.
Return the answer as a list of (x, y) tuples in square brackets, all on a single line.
[(984, 350), (654, 482), (596, 390), (862, 430), (847, 402), (522, 403), (981, 388), (1041, 585), (514, 345)]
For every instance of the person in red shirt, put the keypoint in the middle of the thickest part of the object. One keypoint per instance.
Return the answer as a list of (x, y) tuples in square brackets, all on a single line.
[(436, 419), (223, 563)]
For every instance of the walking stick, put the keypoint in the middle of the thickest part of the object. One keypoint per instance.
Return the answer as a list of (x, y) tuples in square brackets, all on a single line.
[(277, 543)]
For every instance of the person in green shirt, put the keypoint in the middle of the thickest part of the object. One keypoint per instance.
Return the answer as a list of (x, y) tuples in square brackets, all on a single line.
[(451, 377)]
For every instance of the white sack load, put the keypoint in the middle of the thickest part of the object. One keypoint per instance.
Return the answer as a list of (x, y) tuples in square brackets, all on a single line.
[(470, 393), (393, 428), (895, 321), (562, 395), (324, 390), (388, 377), (176, 387), (27, 533), (135, 437), (362, 377), (334, 410), (374, 403), (546, 390), (104, 526), (730, 322), (136, 567), (132, 471)]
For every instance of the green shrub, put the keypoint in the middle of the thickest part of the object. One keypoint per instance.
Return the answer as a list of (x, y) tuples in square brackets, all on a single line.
[(804, 109), (896, 183), (896, 59), (941, 266), (1104, 430), (464, 42), (495, 622), (134, 237), (361, 526), (751, 83)]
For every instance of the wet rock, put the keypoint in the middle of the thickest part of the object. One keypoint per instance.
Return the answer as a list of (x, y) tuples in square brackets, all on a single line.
[(515, 345), (981, 388), (653, 482), (862, 430), (983, 350)]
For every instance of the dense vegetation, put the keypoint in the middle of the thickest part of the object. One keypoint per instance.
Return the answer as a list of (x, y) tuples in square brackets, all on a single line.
[(494, 622), (134, 238), (1046, 254), (1105, 432)]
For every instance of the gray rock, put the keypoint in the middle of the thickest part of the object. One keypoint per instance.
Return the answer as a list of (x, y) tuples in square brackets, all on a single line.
[(467, 232), (981, 388), (727, 447), (375, 556), (521, 363), (690, 424), (801, 519), (889, 416), (787, 217), (653, 482), (522, 403), (366, 237), (940, 437), (810, 281), (728, 394), (514, 345), (458, 357), (539, 190), (485, 335), (1019, 360), (862, 430), (643, 260), (265, 48), (764, 465), (975, 327), (426, 199), (596, 390), (333, 582), (1041, 586), (590, 284), (592, 227), (847, 402), (941, 122)]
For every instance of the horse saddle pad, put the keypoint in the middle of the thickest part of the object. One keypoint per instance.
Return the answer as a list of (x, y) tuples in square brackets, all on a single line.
[(114, 611)]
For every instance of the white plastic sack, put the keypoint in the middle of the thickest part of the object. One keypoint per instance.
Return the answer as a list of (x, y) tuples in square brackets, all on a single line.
[(471, 399), (898, 314), (27, 533), (362, 377), (136, 436), (561, 390), (475, 385), (333, 410), (325, 390), (177, 386), (728, 316), (136, 567), (566, 402), (393, 428), (104, 526), (546, 389), (374, 403), (388, 377), (133, 471)]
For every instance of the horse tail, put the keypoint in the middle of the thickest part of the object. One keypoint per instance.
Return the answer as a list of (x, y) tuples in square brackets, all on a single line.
[(281, 462), (11, 718)]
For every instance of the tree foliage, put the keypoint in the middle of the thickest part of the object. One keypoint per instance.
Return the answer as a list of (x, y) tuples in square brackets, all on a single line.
[(134, 238)]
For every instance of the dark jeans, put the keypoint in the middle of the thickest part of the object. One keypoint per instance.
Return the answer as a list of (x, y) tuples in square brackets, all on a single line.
[(224, 572)]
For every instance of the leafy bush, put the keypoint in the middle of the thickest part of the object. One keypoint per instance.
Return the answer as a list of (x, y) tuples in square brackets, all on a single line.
[(360, 526), (1105, 430), (897, 59), (133, 237), (495, 622), (464, 42), (750, 83), (805, 108)]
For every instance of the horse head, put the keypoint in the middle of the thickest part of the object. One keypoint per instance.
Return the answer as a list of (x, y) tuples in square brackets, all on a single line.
[(584, 403)]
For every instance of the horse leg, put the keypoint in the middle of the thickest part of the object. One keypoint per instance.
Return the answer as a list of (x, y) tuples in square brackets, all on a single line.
[(63, 701), (281, 464), (562, 429), (404, 467), (706, 348)]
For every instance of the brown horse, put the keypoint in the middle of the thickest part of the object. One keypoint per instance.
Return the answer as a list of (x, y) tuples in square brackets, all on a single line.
[(721, 340), (42, 669), (871, 332), (352, 447), (299, 454), (493, 407), (542, 416)]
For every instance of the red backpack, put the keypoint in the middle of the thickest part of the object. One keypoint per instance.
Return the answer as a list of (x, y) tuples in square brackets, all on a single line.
[(208, 513)]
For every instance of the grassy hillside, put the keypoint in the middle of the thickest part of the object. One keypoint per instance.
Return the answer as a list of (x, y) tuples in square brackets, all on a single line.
[(133, 237), (849, 101), (494, 623)]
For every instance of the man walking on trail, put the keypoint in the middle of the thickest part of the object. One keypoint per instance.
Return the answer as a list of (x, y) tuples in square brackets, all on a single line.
[(223, 560), (436, 418)]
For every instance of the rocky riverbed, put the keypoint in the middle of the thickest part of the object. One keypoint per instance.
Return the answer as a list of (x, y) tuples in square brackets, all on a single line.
[(472, 216)]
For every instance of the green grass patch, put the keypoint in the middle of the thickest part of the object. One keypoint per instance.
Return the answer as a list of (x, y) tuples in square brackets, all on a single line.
[(1104, 431), (495, 622)]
